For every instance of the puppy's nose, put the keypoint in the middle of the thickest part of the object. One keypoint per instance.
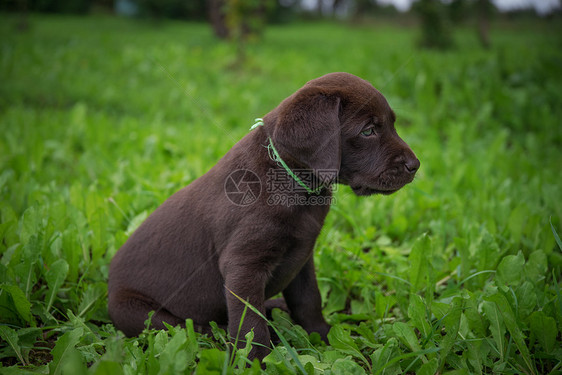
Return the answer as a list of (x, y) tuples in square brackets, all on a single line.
[(412, 165)]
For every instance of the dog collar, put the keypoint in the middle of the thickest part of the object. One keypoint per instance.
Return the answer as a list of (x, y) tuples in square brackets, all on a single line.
[(274, 155)]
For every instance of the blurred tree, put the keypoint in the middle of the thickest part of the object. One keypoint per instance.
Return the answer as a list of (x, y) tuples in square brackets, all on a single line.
[(459, 10), (239, 19), (319, 7), (362, 7), (23, 22), (436, 29), (179, 9), (217, 16), (484, 9), (282, 11), (372, 8), (59, 6)]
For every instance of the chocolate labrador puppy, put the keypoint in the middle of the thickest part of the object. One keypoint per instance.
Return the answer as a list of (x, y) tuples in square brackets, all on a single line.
[(247, 227)]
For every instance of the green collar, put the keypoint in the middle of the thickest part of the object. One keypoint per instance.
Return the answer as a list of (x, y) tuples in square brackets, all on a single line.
[(274, 155)]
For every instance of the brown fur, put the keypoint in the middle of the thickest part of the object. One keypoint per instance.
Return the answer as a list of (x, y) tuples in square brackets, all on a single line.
[(194, 248)]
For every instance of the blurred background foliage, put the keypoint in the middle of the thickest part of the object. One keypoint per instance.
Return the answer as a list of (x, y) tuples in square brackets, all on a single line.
[(242, 19)]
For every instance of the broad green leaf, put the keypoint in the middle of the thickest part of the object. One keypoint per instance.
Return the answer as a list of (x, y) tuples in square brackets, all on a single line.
[(452, 323), (175, 359), (342, 340), (278, 362), (511, 270), (192, 343), (545, 330), (381, 358), (242, 353), (395, 360), (419, 262), (11, 337), (21, 304), (429, 368), (64, 349), (77, 195), (511, 324), (310, 360), (439, 309), (346, 367), (487, 255), (108, 368), (295, 334), (417, 313), (497, 326), (213, 361), (26, 268), (8, 229), (474, 355), (383, 304), (526, 299), (473, 316), (55, 276), (330, 356), (27, 337), (407, 335), (92, 295), (160, 341), (96, 214), (72, 252), (457, 372), (152, 353), (517, 220), (337, 299), (536, 267), (31, 223), (367, 334)]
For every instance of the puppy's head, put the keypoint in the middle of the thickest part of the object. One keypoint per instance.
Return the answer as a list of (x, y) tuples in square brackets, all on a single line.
[(340, 122)]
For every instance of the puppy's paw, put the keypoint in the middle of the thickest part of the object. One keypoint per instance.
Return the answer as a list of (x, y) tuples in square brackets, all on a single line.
[(321, 328)]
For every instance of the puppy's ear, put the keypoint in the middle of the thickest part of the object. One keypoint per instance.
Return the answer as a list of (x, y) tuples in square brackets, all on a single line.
[(307, 130)]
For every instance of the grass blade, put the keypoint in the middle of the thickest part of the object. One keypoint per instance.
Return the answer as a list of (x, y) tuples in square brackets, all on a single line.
[(556, 236), (289, 348)]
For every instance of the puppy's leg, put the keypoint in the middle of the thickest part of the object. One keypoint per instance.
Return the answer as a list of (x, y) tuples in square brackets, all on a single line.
[(249, 285), (129, 310), (304, 301)]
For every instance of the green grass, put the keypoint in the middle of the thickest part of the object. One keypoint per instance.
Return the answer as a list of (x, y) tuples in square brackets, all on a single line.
[(102, 119)]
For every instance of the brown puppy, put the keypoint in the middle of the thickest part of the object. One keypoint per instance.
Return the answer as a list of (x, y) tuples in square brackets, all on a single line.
[(249, 227)]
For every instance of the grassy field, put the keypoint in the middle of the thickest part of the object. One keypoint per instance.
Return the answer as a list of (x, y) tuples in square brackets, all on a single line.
[(101, 119)]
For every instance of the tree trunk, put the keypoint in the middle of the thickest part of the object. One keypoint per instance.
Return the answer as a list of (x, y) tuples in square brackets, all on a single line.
[(320, 7), (23, 21), (484, 23), (218, 18)]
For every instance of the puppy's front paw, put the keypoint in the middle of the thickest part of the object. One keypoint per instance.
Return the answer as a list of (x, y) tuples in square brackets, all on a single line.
[(322, 328)]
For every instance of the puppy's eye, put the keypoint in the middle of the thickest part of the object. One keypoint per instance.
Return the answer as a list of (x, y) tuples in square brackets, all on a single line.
[(368, 132)]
